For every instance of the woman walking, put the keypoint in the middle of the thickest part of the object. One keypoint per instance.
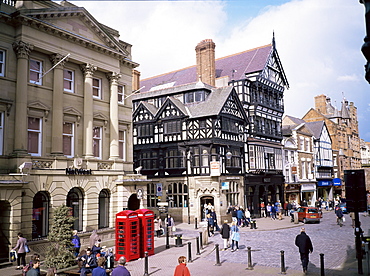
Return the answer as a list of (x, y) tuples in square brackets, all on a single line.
[(235, 236), (21, 246), (225, 234)]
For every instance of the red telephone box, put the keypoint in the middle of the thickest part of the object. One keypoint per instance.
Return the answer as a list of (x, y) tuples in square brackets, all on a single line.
[(146, 218), (127, 235)]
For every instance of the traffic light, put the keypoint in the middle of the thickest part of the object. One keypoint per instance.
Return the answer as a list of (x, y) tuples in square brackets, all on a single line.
[(355, 190)]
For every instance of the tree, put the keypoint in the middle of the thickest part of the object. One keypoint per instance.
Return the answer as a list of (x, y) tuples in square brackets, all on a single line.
[(59, 253)]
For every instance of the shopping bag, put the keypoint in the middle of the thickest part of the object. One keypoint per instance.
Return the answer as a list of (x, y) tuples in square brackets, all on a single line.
[(13, 256), (173, 228), (26, 248)]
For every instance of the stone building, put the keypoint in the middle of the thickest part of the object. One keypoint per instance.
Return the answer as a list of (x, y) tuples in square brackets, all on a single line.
[(255, 172), (65, 123), (343, 129)]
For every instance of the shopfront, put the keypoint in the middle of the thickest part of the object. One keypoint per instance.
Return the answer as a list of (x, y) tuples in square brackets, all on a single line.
[(308, 193)]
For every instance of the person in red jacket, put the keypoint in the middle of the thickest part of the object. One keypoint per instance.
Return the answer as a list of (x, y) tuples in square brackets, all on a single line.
[(181, 268)]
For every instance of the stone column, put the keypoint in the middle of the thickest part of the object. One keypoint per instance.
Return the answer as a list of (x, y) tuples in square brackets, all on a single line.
[(22, 50), (88, 70), (113, 114), (57, 118)]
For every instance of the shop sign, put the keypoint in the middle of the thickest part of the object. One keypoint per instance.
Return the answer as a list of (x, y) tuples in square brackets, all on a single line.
[(308, 187), (337, 182), (324, 183), (215, 168), (294, 170), (225, 185)]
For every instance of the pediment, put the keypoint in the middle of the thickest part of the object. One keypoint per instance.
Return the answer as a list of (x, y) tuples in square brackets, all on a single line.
[(76, 21), (233, 107), (38, 105), (71, 111), (100, 116), (142, 113)]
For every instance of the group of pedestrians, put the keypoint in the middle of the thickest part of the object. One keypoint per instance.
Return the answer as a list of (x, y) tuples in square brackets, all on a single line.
[(240, 216), (160, 227), (230, 232)]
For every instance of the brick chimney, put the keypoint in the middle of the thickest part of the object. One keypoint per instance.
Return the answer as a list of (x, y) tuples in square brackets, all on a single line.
[(320, 103), (135, 80), (206, 68)]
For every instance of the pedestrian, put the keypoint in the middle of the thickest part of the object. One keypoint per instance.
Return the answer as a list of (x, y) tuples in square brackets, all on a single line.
[(268, 209), (214, 216), (247, 217), (88, 263), (263, 210), (273, 212), (304, 244), (93, 238), (352, 216), (235, 236), (35, 257), (339, 214), (170, 225), (21, 247), (35, 270), (158, 226), (210, 226), (181, 268), (240, 216), (100, 270), (96, 249), (234, 214), (76, 243), (225, 234), (121, 270)]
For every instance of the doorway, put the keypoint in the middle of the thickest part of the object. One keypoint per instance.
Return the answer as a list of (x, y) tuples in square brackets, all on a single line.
[(4, 230), (204, 202), (40, 215)]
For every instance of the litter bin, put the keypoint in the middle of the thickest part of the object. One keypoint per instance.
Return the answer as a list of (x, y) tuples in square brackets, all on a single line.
[(178, 240)]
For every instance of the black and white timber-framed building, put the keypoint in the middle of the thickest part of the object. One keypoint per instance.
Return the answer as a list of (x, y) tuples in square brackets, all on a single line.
[(214, 138)]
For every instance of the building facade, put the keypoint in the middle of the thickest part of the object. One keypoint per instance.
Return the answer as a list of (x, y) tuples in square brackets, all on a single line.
[(343, 130), (259, 81), (66, 127)]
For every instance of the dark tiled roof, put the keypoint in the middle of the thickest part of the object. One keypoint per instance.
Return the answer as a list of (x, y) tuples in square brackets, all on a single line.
[(295, 120), (241, 63)]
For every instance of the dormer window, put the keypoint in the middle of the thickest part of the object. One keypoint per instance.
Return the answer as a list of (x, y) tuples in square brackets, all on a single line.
[(194, 96)]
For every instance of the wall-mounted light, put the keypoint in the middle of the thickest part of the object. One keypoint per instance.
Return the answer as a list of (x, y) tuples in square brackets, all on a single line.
[(229, 155)]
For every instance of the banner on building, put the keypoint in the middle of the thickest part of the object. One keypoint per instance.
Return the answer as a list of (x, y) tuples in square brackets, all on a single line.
[(225, 185), (215, 168), (159, 189)]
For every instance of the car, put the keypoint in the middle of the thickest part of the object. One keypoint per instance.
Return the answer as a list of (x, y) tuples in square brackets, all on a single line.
[(343, 206), (309, 214)]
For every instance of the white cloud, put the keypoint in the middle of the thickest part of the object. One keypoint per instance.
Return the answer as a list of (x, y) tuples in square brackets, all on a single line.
[(318, 41)]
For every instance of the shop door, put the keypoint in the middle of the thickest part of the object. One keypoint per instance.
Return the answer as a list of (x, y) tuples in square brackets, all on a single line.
[(4, 230)]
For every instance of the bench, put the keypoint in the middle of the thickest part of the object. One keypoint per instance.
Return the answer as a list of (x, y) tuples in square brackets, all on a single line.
[(74, 271)]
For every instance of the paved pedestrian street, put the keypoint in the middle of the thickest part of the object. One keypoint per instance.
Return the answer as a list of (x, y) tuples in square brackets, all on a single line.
[(336, 243)]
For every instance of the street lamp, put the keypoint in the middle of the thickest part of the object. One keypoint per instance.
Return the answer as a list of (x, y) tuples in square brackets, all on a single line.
[(366, 46)]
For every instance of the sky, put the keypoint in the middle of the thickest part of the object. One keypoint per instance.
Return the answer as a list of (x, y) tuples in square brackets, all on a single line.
[(319, 42)]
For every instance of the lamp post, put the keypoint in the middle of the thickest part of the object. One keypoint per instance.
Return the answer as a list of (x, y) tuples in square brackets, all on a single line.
[(366, 46), (188, 167)]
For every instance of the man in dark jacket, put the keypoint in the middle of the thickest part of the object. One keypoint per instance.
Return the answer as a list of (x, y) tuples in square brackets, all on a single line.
[(89, 262), (304, 244), (225, 234)]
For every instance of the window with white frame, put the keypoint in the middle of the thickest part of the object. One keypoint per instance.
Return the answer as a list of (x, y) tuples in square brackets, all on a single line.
[(97, 142), (1, 132), (2, 63), (301, 143), (96, 88), (307, 144), (68, 80), (303, 166), (122, 144), (121, 94), (35, 71), (68, 139), (34, 136)]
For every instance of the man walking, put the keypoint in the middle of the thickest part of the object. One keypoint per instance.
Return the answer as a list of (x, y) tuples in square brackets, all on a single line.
[(304, 244), (121, 270)]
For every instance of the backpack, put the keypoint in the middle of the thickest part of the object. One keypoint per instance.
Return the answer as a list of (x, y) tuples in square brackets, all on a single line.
[(75, 242), (25, 269)]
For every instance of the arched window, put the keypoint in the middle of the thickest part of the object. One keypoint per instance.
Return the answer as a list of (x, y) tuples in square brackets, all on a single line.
[(104, 198), (40, 215), (75, 203)]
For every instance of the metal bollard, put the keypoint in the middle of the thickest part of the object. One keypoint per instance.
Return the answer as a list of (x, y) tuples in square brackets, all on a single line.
[(283, 270), (146, 264), (322, 269), (250, 267), (367, 257), (189, 252), (196, 223), (167, 237), (201, 239), (198, 249), (218, 263)]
